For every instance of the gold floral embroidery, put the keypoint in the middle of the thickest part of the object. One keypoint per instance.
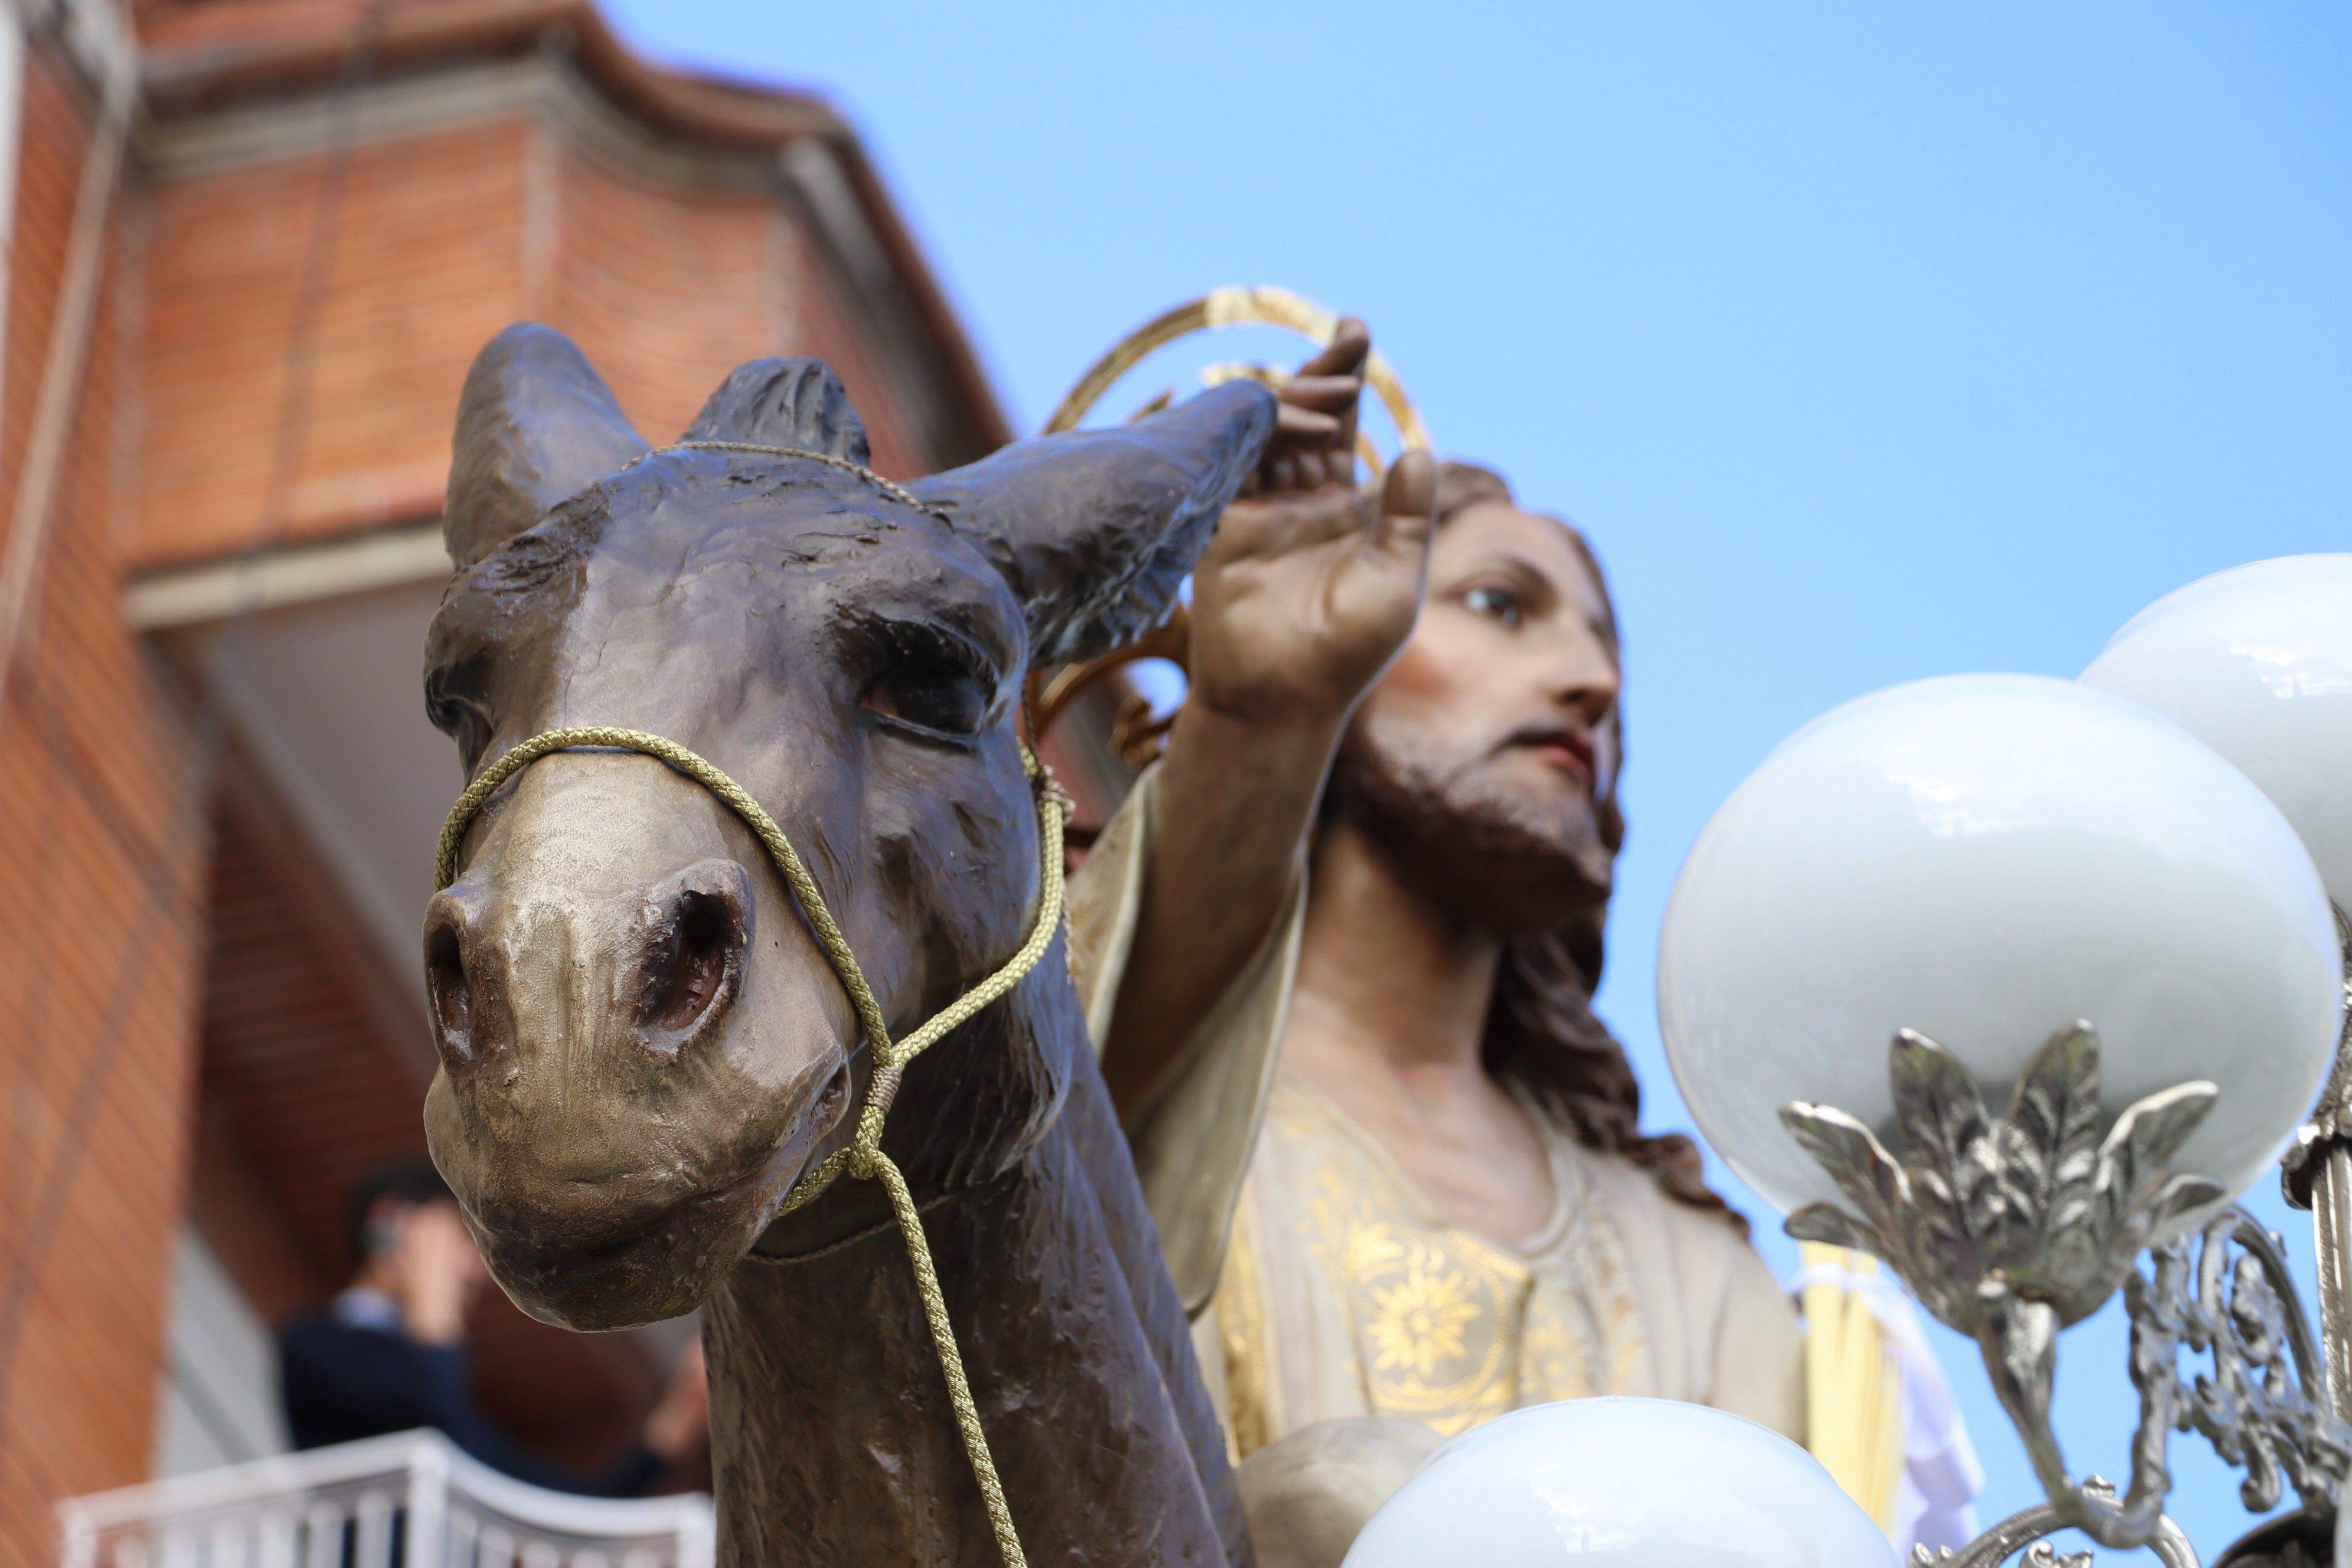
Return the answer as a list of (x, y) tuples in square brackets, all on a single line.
[(1447, 1329), (1437, 1324), (1417, 1324)]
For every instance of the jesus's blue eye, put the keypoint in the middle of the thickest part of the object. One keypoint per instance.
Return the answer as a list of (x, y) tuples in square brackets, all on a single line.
[(1497, 602)]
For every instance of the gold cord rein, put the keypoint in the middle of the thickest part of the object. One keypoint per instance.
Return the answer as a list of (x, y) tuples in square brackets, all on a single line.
[(863, 1159)]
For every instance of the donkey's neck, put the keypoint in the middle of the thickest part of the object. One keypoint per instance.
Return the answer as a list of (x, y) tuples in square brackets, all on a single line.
[(833, 1440)]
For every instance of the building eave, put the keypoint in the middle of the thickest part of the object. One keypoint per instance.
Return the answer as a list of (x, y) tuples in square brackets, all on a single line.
[(200, 58), (227, 55)]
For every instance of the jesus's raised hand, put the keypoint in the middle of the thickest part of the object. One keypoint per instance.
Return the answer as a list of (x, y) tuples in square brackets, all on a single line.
[(1310, 586), (1305, 594)]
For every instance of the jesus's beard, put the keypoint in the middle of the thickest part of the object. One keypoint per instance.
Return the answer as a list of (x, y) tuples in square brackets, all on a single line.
[(1489, 857)]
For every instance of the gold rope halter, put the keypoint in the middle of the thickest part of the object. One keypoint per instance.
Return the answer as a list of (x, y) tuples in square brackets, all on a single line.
[(863, 1159)]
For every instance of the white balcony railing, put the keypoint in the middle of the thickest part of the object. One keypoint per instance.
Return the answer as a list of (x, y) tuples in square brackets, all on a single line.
[(411, 1500)]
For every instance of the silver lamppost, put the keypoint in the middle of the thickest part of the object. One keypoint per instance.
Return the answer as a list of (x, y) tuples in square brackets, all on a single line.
[(2017, 983)]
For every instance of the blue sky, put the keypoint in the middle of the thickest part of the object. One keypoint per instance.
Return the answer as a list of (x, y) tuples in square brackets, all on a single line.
[(1867, 341)]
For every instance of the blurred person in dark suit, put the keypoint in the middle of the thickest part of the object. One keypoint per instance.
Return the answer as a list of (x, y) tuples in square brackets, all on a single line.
[(389, 1354)]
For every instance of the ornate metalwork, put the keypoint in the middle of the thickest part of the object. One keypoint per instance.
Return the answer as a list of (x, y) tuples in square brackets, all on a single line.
[(2034, 1205), (2027, 1532), (2227, 1291), (2331, 1117), (2316, 1174), (2010, 1229)]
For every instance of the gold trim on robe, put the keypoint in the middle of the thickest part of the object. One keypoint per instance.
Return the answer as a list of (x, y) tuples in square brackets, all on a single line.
[(1435, 1324), (1323, 1284)]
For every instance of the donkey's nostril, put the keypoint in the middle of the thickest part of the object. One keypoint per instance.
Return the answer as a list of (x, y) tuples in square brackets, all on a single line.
[(692, 962), (452, 997)]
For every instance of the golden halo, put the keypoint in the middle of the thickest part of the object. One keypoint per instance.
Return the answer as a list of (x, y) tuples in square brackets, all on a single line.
[(1137, 733), (1239, 306)]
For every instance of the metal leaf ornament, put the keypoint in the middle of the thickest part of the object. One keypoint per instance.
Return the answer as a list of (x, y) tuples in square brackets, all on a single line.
[(2035, 1203), (2010, 1229)]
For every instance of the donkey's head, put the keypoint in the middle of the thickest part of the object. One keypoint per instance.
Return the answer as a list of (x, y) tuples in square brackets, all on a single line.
[(642, 1043)]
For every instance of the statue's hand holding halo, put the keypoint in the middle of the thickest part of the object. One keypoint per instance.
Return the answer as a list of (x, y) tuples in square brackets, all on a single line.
[(1310, 585), (1305, 594)]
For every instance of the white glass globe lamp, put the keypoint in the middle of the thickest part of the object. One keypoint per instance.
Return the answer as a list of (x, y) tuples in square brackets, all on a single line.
[(2256, 662), (1985, 859), (1621, 1483)]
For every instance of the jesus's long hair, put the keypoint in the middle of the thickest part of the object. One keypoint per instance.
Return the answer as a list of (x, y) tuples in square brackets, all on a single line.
[(1542, 1032)]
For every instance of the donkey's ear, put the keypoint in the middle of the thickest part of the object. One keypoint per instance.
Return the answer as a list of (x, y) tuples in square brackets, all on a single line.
[(1096, 529), (795, 403), (535, 425)]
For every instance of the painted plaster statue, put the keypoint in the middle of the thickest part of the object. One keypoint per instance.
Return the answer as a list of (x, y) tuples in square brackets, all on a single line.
[(642, 1044), (1339, 945)]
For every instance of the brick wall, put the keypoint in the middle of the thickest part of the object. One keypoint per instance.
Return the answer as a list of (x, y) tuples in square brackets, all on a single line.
[(100, 857), (669, 259), (425, 266), (442, 237)]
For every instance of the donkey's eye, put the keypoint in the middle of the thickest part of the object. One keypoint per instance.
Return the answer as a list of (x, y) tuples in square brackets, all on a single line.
[(930, 694), (460, 718)]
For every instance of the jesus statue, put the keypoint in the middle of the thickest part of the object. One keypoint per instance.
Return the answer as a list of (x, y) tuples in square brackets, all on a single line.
[(1339, 947)]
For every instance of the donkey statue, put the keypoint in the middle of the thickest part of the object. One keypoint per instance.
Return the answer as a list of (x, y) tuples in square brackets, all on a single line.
[(642, 1045)]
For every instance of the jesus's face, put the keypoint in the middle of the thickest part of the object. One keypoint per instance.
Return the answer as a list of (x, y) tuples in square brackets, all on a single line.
[(1485, 757)]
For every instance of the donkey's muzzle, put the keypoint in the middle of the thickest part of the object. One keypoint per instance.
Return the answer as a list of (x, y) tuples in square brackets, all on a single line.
[(651, 973)]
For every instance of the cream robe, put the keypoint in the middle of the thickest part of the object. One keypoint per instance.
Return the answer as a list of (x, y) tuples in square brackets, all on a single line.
[(1323, 1284)]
